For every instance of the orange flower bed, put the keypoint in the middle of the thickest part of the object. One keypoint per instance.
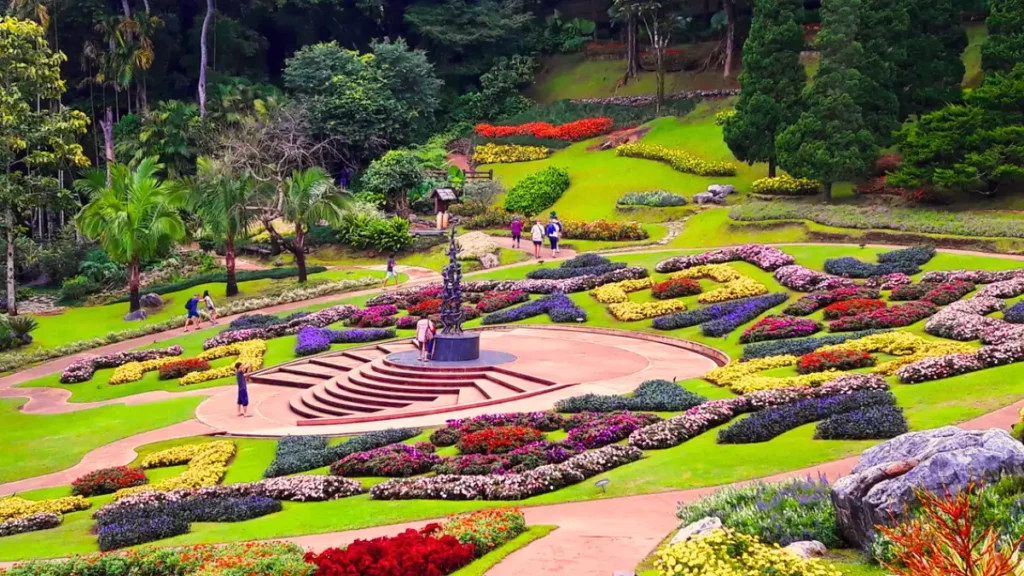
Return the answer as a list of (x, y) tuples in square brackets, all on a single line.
[(572, 131)]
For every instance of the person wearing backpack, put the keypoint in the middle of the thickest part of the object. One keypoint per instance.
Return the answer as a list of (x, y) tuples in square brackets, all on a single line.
[(192, 308), (554, 232)]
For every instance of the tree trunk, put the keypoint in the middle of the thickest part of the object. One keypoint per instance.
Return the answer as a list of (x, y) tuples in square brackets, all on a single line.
[(771, 167), (632, 55), (660, 55), (140, 91), (229, 263), (107, 125), (204, 56), (300, 253), (827, 191), (126, 8), (134, 283), (730, 35), (401, 202), (146, 3), (12, 297)]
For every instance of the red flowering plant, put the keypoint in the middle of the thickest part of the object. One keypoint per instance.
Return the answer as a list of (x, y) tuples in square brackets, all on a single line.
[(425, 308), (108, 481), (498, 440), (851, 308), (837, 360), (675, 288), (779, 327), (893, 317), (178, 368), (394, 461), (486, 529), (571, 131), (494, 301), (426, 552)]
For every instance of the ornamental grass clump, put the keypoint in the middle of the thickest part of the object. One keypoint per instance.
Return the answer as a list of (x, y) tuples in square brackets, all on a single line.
[(776, 513)]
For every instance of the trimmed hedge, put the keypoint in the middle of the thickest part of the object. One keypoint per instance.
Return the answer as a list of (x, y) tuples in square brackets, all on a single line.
[(871, 423), (303, 453), (651, 396), (209, 277), (652, 198), (538, 191)]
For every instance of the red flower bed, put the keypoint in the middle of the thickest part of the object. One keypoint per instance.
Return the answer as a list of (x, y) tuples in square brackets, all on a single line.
[(605, 49), (852, 308), (425, 308), (425, 552), (675, 288), (178, 368), (494, 301), (894, 317), (499, 440), (572, 131), (108, 481), (838, 360), (778, 328)]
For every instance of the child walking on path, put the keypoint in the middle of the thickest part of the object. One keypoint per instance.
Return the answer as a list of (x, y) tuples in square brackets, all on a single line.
[(211, 308), (391, 271)]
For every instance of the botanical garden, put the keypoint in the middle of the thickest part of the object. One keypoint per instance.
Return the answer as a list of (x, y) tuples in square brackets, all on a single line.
[(729, 288)]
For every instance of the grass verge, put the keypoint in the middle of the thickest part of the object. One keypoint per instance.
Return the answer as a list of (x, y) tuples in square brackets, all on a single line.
[(492, 558)]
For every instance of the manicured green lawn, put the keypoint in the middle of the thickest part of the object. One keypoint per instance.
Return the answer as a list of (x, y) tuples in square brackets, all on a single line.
[(977, 32), (34, 445), (434, 259), (492, 558)]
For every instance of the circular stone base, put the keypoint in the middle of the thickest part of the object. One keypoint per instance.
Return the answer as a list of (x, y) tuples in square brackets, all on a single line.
[(456, 347), (487, 358)]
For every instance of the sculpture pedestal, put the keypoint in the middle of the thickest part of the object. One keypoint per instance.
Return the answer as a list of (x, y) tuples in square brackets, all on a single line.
[(456, 347)]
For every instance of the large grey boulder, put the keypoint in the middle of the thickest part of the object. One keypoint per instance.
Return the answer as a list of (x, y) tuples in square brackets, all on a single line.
[(807, 549), (136, 316), (697, 530), (721, 190), (708, 198), (884, 482), (151, 300)]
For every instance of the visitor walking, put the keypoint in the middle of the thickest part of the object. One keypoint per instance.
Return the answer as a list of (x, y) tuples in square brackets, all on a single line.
[(243, 391), (211, 308), (517, 231), (424, 336), (192, 306), (554, 231), (537, 234), (391, 271)]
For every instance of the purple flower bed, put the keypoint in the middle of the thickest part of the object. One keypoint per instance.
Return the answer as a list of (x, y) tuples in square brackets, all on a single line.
[(564, 273), (871, 423), (708, 415), (772, 422), (519, 460), (315, 340), (779, 328), (1015, 313), (394, 461), (850, 267), (559, 308), (84, 369), (407, 322), (767, 258), (321, 318), (311, 341), (803, 279), (807, 304), (602, 429), (33, 523), (720, 319)]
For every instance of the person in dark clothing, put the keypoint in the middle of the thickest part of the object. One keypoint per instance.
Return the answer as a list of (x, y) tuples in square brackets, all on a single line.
[(517, 231), (192, 308), (391, 271), (243, 391)]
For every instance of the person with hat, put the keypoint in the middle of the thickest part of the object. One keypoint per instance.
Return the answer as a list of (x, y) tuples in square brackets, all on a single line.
[(554, 232)]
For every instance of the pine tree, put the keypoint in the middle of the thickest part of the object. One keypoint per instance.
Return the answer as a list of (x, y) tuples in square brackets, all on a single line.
[(832, 140), (1005, 44), (772, 81)]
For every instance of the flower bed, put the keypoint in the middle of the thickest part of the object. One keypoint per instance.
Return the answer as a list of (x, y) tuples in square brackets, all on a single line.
[(708, 415), (603, 230), (509, 486), (721, 319), (785, 185), (728, 552), (313, 340), (975, 276), (394, 461), (894, 317), (537, 192), (1006, 289), (812, 302), (495, 300), (849, 267), (919, 255), (678, 159), (767, 258), (108, 481), (425, 308), (652, 198), (736, 285), (508, 153), (498, 440), (675, 288), (320, 318), (373, 317), (595, 430), (634, 311), (134, 371), (940, 294), (427, 551), (840, 360), (207, 465), (652, 396), (582, 265), (965, 320), (803, 279), (568, 285), (937, 367), (14, 507), (519, 460), (799, 347), (454, 429), (33, 523), (487, 530), (84, 369), (619, 291), (769, 423), (296, 454), (559, 308), (778, 328), (871, 423), (851, 308), (249, 352), (887, 282), (570, 131), (1015, 313), (178, 368)]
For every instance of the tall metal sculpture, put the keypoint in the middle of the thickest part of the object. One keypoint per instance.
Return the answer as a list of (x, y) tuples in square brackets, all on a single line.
[(451, 296)]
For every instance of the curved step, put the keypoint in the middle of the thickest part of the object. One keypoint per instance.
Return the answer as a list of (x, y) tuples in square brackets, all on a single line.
[(365, 355), (337, 362), (312, 370), (342, 385), (280, 378), (325, 410), (299, 407), (343, 399), (368, 374), (393, 364), (382, 368)]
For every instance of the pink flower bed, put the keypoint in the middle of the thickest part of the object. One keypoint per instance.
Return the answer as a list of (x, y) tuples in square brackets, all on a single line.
[(895, 317), (975, 276), (803, 279), (83, 370), (939, 367), (319, 319), (1005, 289), (888, 282), (767, 258), (779, 327), (966, 320)]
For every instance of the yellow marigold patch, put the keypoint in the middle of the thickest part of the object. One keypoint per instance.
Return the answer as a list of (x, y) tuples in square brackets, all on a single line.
[(207, 465), (15, 507), (736, 284), (134, 371), (618, 291), (503, 154), (250, 352), (728, 553), (678, 159), (633, 311)]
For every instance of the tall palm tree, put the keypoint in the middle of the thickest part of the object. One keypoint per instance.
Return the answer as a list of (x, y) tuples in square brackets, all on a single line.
[(309, 198), (222, 202), (134, 219)]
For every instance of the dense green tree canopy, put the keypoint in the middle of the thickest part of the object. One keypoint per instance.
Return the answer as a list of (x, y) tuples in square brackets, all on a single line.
[(1004, 47)]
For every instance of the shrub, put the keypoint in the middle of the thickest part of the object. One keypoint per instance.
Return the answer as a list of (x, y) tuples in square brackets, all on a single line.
[(221, 276), (675, 288), (652, 198), (870, 423), (538, 191), (505, 154), (603, 230), (303, 453), (498, 440), (778, 328), (108, 481), (177, 368), (426, 551), (650, 396), (677, 159), (366, 232), (840, 360), (851, 308), (394, 461), (777, 513), (486, 529), (491, 218), (786, 185), (78, 288)]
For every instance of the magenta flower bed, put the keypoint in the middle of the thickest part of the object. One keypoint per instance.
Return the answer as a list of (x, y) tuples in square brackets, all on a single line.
[(594, 429), (767, 258), (320, 319), (779, 327), (394, 461), (894, 317)]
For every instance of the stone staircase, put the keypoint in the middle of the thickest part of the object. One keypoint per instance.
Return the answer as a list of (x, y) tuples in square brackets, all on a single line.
[(363, 385)]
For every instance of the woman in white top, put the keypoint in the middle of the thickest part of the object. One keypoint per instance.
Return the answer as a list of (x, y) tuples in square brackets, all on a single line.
[(424, 334), (537, 234), (211, 308)]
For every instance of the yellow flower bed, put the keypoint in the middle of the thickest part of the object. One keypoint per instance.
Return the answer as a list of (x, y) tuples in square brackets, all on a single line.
[(134, 371), (15, 507), (736, 284), (716, 272), (678, 159), (633, 311), (207, 465), (504, 154), (729, 553), (735, 370), (617, 292), (250, 352)]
